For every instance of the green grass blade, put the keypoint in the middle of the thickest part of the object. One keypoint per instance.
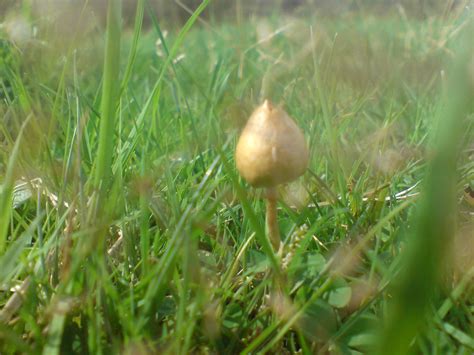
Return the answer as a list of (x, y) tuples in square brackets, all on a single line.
[(133, 137), (133, 50), (434, 223), (6, 192), (103, 169)]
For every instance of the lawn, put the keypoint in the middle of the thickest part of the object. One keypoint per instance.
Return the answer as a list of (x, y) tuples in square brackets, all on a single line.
[(125, 226)]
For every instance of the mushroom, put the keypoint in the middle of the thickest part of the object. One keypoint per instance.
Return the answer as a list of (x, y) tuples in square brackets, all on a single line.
[(271, 151)]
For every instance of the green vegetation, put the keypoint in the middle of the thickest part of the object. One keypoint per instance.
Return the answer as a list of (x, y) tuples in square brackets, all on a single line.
[(124, 225)]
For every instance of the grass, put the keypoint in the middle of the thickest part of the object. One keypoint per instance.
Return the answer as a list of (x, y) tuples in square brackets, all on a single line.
[(171, 255)]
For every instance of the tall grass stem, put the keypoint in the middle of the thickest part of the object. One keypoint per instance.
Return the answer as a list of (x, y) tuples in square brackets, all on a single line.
[(110, 89)]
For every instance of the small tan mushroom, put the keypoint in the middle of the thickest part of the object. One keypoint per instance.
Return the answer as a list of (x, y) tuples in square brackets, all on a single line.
[(271, 151)]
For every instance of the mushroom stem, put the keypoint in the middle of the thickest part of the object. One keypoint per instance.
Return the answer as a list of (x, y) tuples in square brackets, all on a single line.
[(271, 220)]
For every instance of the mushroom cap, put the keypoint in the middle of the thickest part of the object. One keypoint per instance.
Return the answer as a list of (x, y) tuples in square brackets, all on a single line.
[(271, 149)]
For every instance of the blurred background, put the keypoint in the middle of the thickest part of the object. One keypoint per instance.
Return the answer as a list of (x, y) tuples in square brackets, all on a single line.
[(176, 11)]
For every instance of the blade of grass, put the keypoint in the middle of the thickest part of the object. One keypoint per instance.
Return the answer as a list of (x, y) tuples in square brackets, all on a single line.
[(133, 50), (6, 192), (257, 226), (103, 169), (434, 222), (133, 137)]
